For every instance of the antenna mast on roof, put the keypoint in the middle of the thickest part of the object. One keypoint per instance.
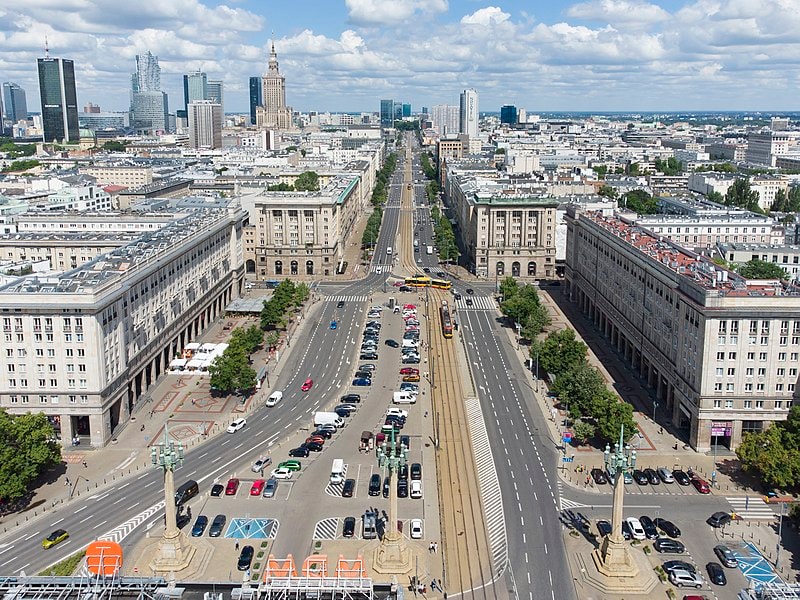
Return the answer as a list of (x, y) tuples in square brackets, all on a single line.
[(46, 48)]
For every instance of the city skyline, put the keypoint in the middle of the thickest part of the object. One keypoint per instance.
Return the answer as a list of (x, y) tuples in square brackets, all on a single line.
[(599, 55)]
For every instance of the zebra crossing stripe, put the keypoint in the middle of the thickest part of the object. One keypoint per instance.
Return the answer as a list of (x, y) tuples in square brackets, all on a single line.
[(488, 484), (335, 489), (478, 303), (120, 532), (751, 508), (347, 298), (326, 529)]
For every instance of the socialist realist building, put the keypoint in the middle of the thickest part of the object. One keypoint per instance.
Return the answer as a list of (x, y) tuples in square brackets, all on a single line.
[(719, 352)]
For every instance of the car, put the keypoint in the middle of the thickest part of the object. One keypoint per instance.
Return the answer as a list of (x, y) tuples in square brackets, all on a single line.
[(726, 556), (404, 288), (402, 472), (367, 367), (652, 477), (604, 527), (217, 489), (716, 574), (236, 425), (416, 489), (327, 427), (374, 324), (426, 270), (261, 464), (402, 488), (245, 558), (665, 475), (410, 360), (468, 301), (409, 387), (257, 487), (369, 346), (719, 519), (301, 452), (410, 306), (375, 485), (315, 439), (639, 477), (282, 473), (701, 485), (667, 545), (340, 304), (362, 382), (392, 343), (349, 527), (397, 411), (667, 527), (373, 315), (292, 465), (470, 291), (626, 530), (326, 434), (56, 537), (637, 531), (405, 441), (409, 371), (415, 529), (395, 423), (681, 477), (649, 527), (307, 385), (672, 565), (599, 476), (200, 524), (232, 486), (350, 398), (385, 487), (681, 578), (348, 488), (333, 325), (416, 471), (368, 356), (363, 375), (270, 488), (410, 378), (217, 525), (342, 412)]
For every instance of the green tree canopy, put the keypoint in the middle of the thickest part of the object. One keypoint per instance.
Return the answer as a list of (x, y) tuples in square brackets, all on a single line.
[(671, 166), (608, 192), (740, 194), (612, 414), (583, 429), (601, 171), (773, 454), (640, 202), (521, 305), (114, 146), (232, 371), (581, 388), (280, 187), (715, 196), (760, 269), (27, 447), (21, 165), (307, 181), (560, 351)]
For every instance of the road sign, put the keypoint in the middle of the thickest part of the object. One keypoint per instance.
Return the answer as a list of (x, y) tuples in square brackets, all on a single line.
[(567, 458), (566, 437)]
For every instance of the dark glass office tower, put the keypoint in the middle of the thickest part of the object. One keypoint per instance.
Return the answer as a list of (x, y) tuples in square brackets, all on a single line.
[(256, 97), (59, 99)]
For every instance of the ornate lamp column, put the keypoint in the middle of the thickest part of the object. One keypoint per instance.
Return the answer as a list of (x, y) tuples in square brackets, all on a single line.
[(613, 558), (171, 555), (392, 556)]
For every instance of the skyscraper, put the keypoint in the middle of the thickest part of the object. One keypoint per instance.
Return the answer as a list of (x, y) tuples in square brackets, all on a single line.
[(445, 118), (387, 113), (15, 106), (149, 105), (205, 124), (59, 99), (216, 94), (508, 114), (195, 87), (468, 113), (148, 74), (256, 97), (406, 110), (273, 113)]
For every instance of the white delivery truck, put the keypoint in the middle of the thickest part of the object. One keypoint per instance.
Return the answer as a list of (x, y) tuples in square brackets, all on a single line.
[(404, 398), (328, 418), (337, 471), (429, 250), (274, 398)]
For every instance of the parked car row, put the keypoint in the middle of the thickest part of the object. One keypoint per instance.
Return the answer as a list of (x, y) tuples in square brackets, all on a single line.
[(650, 476)]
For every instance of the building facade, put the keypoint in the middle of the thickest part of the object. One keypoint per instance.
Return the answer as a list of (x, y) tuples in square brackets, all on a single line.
[(127, 175), (205, 124), (468, 113), (720, 352), (15, 104), (273, 113), (59, 100), (149, 105), (256, 97), (508, 114)]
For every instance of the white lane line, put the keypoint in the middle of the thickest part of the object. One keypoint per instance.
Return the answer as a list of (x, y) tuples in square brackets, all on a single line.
[(80, 509), (86, 519), (33, 535)]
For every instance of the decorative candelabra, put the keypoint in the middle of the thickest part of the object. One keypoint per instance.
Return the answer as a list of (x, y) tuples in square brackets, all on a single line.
[(392, 555)]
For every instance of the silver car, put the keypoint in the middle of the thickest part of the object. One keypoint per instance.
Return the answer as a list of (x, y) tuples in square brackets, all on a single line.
[(665, 475), (683, 578), (270, 488)]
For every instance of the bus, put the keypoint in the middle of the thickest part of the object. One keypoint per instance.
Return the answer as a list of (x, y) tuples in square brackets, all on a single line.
[(418, 281), (441, 284), (429, 250), (447, 322)]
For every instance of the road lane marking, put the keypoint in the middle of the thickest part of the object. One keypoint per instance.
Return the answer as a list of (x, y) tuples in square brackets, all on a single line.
[(86, 519), (33, 535), (81, 508)]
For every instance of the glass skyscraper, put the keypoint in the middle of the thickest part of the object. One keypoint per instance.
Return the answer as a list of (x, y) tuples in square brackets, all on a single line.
[(15, 105), (59, 99), (256, 97)]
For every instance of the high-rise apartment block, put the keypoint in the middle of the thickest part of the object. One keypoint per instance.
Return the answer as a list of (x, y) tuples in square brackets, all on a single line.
[(468, 113), (59, 99), (445, 119), (15, 105), (273, 113), (205, 124)]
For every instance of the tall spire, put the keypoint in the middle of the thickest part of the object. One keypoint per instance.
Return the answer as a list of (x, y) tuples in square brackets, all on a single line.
[(272, 67), (46, 48)]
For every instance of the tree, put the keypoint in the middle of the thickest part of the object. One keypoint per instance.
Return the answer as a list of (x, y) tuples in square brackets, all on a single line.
[(307, 181), (740, 195), (27, 447), (714, 196), (560, 351), (583, 430), (608, 192), (633, 169), (272, 339), (780, 203), (280, 187), (508, 288), (601, 171), (114, 146), (535, 322), (232, 371), (21, 165), (761, 269), (767, 455), (612, 415), (671, 166), (640, 202), (577, 388)]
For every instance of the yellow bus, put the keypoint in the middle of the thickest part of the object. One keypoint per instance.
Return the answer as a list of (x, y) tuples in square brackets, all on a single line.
[(418, 281), (441, 284)]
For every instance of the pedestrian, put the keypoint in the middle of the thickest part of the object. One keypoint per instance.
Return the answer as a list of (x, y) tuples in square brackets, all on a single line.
[(435, 546), (675, 446), (85, 466), (237, 545), (66, 481), (426, 414), (430, 547), (189, 512)]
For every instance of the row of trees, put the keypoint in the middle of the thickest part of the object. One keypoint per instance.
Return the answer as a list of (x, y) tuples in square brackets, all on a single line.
[(13, 151), (640, 202), (445, 236), (307, 181), (232, 370), (21, 165), (597, 411), (370, 236), (773, 455), (671, 166), (761, 269), (28, 447), (521, 304), (286, 296), (786, 202), (379, 193), (427, 167)]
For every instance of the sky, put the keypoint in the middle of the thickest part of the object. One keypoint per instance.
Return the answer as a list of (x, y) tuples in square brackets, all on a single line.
[(347, 55)]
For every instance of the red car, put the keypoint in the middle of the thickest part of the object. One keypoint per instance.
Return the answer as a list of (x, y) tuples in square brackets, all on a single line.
[(701, 485), (315, 438), (409, 371), (409, 307), (232, 487), (257, 487), (307, 384)]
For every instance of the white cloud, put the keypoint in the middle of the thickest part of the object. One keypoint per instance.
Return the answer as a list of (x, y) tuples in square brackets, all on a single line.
[(619, 11), (388, 12), (488, 16)]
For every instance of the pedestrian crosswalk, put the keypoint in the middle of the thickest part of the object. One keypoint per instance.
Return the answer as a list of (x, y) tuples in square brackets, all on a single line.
[(120, 532), (347, 299), (476, 303), (750, 507)]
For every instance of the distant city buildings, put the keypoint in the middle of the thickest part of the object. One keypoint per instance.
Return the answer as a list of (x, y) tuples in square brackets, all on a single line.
[(256, 97), (149, 105), (15, 105), (58, 100), (468, 113), (508, 114), (205, 124), (273, 112), (445, 119)]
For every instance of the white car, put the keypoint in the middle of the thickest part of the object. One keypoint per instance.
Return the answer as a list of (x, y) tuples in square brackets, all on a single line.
[(637, 531), (261, 464), (274, 398), (282, 473), (415, 490), (237, 425), (415, 529), (398, 412)]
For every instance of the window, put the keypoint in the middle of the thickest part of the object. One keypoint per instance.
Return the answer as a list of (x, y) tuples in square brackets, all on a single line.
[(728, 403), (717, 387), (748, 387), (717, 403), (781, 372), (748, 404), (759, 404), (747, 372), (762, 371), (731, 355), (760, 387), (720, 356), (778, 403), (731, 371), (720, 372), (750, 356), (729, 387), (762, 356), (764, 340), (781, 356), (778, 387)]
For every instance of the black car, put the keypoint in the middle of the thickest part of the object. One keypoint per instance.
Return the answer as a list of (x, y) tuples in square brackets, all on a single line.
[(374, 324), (719, 519), (673, 565), (340, 304), (402, 488), (351, 398), (392, 343), (368, 356), (342, 412), (468, 301), (416, 471), (301, 452), (626, 530), (245, 558), (598, 476), (668, 546), (667, 527), (716, 574), (349, 527), (639, 477), (470, 291), (652, 477), (362, 375), (200, 525), (348, 488), (325, 433), (375, 485), (217, 489), (312, 446), (385, 487), (217, 525), (426, 270), (403, 472), (681, 477), (406, 441), (410, 360), (404, 288), (604, 527), (649, 527)]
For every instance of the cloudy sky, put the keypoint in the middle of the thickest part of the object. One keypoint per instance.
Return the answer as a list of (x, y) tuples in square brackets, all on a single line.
[(338, 55)]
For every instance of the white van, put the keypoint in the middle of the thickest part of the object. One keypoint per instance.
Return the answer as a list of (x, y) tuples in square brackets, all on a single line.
[(389, 250), (410, 343), (404, 398), (337, 471), (274, 398)]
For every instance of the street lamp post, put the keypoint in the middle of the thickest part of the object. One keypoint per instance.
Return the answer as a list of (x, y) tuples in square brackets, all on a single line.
[(519, 329), (714, 450), (655, 408), (536, 375), (392, 555)]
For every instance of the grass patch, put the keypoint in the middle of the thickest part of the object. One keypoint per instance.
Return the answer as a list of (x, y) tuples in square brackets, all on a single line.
[(264, 544), (256, 566), (66, 567), (647, 549), (671, 594)]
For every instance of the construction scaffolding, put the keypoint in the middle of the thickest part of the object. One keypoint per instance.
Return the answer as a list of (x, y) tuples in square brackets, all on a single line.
[(772, 591), (96, 587)]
